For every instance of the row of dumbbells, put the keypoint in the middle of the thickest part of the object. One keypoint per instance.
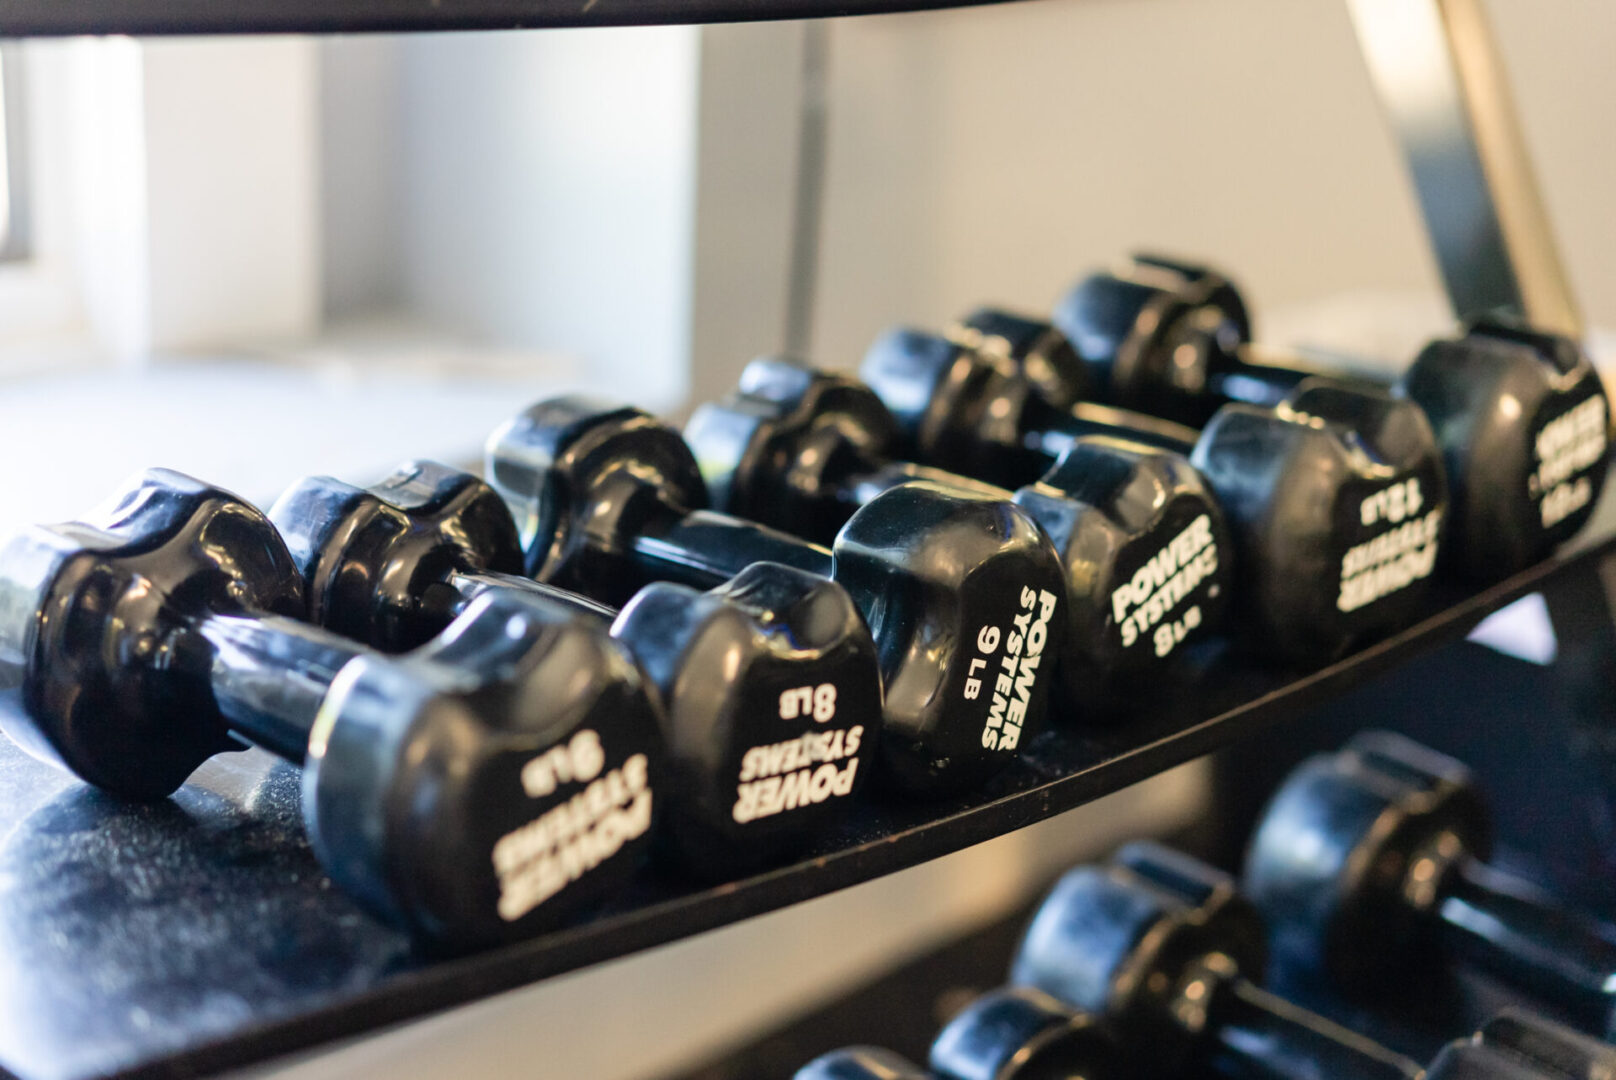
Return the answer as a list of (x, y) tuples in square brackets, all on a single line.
[(1312, 505), (1368, 868), (503, 771)]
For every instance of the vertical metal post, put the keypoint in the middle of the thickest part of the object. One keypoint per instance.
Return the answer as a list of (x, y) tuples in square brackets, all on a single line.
[(16, 238), (1436, 67), (808, 204)]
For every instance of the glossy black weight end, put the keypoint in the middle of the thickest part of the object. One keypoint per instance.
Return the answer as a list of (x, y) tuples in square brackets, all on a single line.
[(1153, 331), (861, 1063), (1353, 851), (961, 409), (965, 598), (782, 448), (369, 556), (772, 698), (1125, 940), (492, 783), (102, 669), (1022, 1033), (1038, 353), (1524, 425), (581, 478), (1149, 563), (1338, 503), (1518, 1045)]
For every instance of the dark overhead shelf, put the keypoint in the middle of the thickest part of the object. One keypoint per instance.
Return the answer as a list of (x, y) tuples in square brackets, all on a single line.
[(199, 934), (42, 18)]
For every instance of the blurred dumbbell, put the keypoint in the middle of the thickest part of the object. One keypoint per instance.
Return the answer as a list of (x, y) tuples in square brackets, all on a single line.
[(801, 449), (1013, 1033), (1369, 865), (1520, 415), (1512, 1046), (479, 788), (1336, 498), (1022, 1033), (861, 1063), (1517, 1045), (769, 683), (1165, 948), (956, 588)]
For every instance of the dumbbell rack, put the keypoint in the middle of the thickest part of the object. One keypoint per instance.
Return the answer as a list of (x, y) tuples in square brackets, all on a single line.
[(238, 950), (234, 904)]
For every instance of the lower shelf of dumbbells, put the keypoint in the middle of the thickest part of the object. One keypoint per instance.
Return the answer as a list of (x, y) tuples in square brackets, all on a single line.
[(200, 934), (905, 1008)]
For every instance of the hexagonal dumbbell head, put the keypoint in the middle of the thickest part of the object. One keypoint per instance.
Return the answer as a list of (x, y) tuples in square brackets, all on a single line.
[(1145, 547), (957, 588), (493, 783), (583, 478), (788, 446), (1351, 852), (772, 694), (976, 581), (1041, 355), (1517, 1045), (1149, 560), (100, 673), (1338, 503), (1021, 1033), (959, 408), (1152, 331), (861, 1063), (481, 787), (375, 561), (1524, 427), (1128, 939)]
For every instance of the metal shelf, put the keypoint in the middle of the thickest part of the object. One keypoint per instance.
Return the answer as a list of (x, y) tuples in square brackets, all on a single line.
[(45, 18), (199, 934)]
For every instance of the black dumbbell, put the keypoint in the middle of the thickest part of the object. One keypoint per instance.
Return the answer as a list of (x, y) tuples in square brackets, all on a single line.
[(1369, 865), (801, 449), (1004, 396), (1164, 948), (1336, 497), (1013, 1033), (479, 788), (769, 683), (1021, 1033), (956, 588), (1520, 415), (861, 1063), (1518, 1045)]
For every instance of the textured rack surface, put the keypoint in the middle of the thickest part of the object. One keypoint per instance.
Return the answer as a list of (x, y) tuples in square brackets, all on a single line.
[(200, 934), (38, 18)]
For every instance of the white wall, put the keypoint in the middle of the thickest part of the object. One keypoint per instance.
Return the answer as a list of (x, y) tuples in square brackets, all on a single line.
[(548, 181), (361, 190), (977, 154), (997, 153)]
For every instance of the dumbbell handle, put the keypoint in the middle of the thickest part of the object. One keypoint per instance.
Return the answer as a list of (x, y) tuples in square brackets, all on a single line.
[(1503, 924), (1049, 440), (1264, 1037), (703, 550), (864, 486), (1263, 376), (444, 600), (269, 676)]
